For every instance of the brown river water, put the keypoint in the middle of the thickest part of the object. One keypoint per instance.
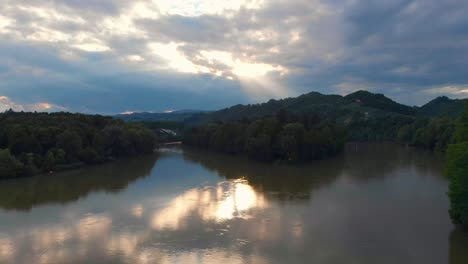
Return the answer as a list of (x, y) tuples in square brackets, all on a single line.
[(376, 203)]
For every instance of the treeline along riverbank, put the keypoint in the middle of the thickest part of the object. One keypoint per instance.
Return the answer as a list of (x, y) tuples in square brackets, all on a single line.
[(32, 143), (285, 136)]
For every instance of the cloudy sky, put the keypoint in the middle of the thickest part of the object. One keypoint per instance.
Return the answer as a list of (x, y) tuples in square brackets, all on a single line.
[(112, 56)]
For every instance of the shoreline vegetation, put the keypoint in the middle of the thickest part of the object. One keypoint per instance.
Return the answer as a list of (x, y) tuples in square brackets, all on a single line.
[(457, 172), (35, 143), (285, 136), (316, 126)]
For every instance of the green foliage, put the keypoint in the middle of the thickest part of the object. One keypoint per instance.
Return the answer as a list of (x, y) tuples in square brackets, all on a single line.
[(457, 171), (9, 165), (70, 142), (378, 128), (36, 142), (378, 101), (89, 156), (290, 141), (333, 107), (462, 126), (435, 134), (173, 125), (442, 106), (49, 161), (286, 136), (366, 117), (29, 160)]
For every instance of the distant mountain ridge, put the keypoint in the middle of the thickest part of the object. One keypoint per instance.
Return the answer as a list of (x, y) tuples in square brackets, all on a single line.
[(174, 116), (337, 107)]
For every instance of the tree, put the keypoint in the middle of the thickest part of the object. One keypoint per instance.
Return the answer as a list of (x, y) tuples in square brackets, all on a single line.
[(461, 134), (457, 171), (259, 148), (21, 140), (266, 139), (290, 141), (9, 166), (70, 142), (89, 156), (49, 161), (29, 167), (46, 140)]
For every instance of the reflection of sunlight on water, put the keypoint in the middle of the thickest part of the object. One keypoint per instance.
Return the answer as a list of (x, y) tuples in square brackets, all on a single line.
[(101, 236), (225, 201)]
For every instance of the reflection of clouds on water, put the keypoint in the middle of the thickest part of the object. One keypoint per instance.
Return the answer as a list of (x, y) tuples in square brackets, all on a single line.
[(274, 214), (7, 249), (222, 202), (93, 226), (51, 244), (137, 211), (101, 236), (127, 245)]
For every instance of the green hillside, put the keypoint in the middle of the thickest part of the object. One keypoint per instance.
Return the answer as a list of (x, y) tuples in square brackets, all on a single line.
[(443, 106), (334, 107), (365, 115)]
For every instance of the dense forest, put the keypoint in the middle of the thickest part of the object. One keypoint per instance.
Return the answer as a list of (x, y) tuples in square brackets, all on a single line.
[(457, 171), (367, 117), (285, 136), (32, 143)]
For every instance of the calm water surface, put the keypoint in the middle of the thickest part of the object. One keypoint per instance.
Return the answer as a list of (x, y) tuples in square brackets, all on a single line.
[(374, 204)]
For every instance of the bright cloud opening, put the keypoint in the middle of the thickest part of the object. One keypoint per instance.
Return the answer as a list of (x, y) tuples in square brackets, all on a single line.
[(175, 59), (238, 67), (197, 8)]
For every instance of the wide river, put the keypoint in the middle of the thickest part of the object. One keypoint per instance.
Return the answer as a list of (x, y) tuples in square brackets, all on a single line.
[(373, 204)]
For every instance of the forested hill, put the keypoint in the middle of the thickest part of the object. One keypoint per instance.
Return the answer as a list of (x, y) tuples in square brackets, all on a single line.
[(443, 106), (313, 102), (31, 143), (365, 116), (341, 108), (377, 101), (335, 107)]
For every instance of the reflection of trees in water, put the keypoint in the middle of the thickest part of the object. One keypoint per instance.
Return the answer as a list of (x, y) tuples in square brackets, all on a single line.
[(458, 251), (369, 161), (283, 181), (23, 194), (359, 162), (197, 225)]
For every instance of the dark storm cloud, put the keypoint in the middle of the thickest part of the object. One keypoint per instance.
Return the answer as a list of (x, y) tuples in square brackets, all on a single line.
[(421, 43), (139, 55)]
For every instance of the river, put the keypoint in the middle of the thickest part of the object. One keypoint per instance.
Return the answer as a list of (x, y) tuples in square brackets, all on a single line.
[(376, 203)]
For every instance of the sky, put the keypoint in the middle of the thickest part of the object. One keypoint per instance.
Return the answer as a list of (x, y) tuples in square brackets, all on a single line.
[(113, 56)]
